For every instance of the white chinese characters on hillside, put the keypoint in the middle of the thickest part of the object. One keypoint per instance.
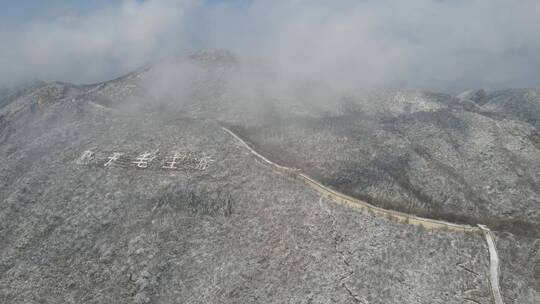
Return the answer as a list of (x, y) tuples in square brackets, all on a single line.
[(113, 158), (142, 160), (176, 160)]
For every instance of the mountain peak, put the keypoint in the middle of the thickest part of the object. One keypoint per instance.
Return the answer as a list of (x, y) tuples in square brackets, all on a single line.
[(221, 56)]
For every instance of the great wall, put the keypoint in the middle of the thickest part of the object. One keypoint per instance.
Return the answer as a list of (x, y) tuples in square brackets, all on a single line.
[(393, 215)]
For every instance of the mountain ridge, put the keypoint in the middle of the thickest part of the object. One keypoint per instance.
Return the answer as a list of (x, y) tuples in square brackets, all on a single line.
[(236, 231)]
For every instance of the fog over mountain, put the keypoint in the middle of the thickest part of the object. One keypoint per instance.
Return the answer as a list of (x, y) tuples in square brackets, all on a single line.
[(436, 45), (297, 151)]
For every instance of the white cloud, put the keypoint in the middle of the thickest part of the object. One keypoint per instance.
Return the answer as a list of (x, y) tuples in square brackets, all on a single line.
[(92, 47), (433, 44), (427, 43)]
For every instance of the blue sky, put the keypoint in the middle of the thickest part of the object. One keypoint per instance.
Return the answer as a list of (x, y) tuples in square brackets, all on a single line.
[(20, 12), (23, 11)]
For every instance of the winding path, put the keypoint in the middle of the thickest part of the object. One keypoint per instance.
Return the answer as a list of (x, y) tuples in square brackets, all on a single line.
[(397, 216)]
